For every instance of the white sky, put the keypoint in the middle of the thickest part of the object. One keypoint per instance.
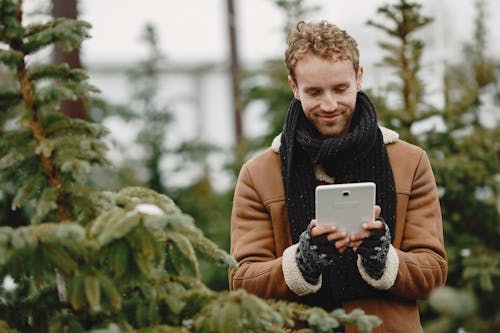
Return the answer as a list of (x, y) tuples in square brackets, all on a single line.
[(196, 29)]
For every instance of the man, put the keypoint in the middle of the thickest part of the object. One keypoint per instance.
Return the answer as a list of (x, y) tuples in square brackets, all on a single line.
[(331, 136)]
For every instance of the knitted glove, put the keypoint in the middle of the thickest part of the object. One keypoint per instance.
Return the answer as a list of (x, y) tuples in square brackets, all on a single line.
[(373, 251), (314, 254)]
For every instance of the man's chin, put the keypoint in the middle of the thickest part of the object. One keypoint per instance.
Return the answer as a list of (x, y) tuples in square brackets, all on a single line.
[(330, 133)]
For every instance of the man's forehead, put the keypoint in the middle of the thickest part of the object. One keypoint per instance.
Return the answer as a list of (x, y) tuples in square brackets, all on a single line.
[(312, 59), (312, 70)]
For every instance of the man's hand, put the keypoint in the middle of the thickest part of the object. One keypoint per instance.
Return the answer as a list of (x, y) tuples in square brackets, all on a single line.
[(335, 237), (319, 248), (374, 247)]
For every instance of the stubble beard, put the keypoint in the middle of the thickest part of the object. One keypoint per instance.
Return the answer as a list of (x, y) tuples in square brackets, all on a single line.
[(334, 129)]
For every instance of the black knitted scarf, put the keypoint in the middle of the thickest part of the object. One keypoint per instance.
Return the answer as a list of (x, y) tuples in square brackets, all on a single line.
[(360, 156)]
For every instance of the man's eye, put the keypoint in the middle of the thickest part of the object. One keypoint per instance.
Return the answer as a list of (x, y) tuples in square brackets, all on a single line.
[(313, 92)]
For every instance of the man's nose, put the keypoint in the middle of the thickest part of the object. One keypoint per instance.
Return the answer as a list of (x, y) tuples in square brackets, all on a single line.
[(328, 102)]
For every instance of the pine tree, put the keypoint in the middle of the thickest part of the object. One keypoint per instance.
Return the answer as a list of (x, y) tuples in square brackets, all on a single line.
[(464, 164), (464, 158), (147, 112), (101, 261), (404, 55)]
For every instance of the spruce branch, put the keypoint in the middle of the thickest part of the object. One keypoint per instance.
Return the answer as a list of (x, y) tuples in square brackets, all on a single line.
[(60, 72), (168, 215), (15, 158), (237, 311), (319, 320), (8, 100), (67, 34), (181, 257), (50, 96), (60, 125), (38, 102), (13, 242), (11, 58), (10, 18), (36, 126), (28, 191)]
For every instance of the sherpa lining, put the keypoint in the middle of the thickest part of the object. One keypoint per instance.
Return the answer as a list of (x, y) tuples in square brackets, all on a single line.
[(388, 278), (293, 277)]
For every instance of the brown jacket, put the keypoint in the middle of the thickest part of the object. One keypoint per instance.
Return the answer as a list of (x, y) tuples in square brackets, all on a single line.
[(260, 235)]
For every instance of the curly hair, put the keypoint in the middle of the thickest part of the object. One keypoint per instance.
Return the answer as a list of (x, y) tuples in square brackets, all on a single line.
[(323, 39)]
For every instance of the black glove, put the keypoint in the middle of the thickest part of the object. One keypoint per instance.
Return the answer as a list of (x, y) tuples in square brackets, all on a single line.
[(373, 251), (315, 254)]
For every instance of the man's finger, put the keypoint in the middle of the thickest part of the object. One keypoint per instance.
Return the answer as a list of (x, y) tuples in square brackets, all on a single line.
[(322, 229), (337, 235), (373, 225), (342, 243), (359, 236)]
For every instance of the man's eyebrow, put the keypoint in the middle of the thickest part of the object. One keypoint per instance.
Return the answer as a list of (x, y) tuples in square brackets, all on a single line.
[(344, 83), (339, 84), (311, 88)]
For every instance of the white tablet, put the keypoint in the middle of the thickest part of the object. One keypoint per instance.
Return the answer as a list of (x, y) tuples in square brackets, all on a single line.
[(345, 205)]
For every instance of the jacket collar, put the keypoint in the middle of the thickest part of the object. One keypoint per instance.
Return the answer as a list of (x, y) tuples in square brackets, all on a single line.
[(388, 135)]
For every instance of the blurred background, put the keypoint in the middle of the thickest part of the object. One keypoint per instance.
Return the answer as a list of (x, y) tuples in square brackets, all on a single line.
[(191, 89), (195, 78)]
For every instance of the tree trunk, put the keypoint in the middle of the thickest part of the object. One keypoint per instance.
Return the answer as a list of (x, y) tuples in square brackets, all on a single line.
[(235, 74), (68, 9)]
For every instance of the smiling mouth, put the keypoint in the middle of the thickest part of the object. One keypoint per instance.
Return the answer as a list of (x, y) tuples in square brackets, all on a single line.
[(330, 116)]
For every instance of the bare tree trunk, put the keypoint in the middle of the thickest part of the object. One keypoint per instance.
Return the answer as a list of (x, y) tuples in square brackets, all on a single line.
[(235, 74), (68, 8)]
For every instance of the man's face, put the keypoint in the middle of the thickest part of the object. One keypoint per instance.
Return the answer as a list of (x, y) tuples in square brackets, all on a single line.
[(327, 90)]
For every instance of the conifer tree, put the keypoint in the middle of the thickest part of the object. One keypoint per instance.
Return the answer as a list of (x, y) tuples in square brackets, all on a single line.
[(404, 54), (150, 116), (464, 164), (464, 158), (101, 261)]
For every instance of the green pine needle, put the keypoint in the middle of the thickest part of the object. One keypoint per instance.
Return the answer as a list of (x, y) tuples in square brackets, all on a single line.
[(10, 27), (46, 204), (60, 72), (28, 191), (9, 99), (11, 58), (67, 34)]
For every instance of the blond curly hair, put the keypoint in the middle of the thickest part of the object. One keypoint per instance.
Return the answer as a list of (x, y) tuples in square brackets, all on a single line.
[(322, 39)]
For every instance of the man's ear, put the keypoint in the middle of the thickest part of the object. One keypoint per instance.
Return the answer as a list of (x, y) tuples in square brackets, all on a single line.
[(359, 77), (294, 87)]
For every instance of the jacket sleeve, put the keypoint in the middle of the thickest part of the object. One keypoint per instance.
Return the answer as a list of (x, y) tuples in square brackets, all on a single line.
[(422, 258), (260, 269)]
